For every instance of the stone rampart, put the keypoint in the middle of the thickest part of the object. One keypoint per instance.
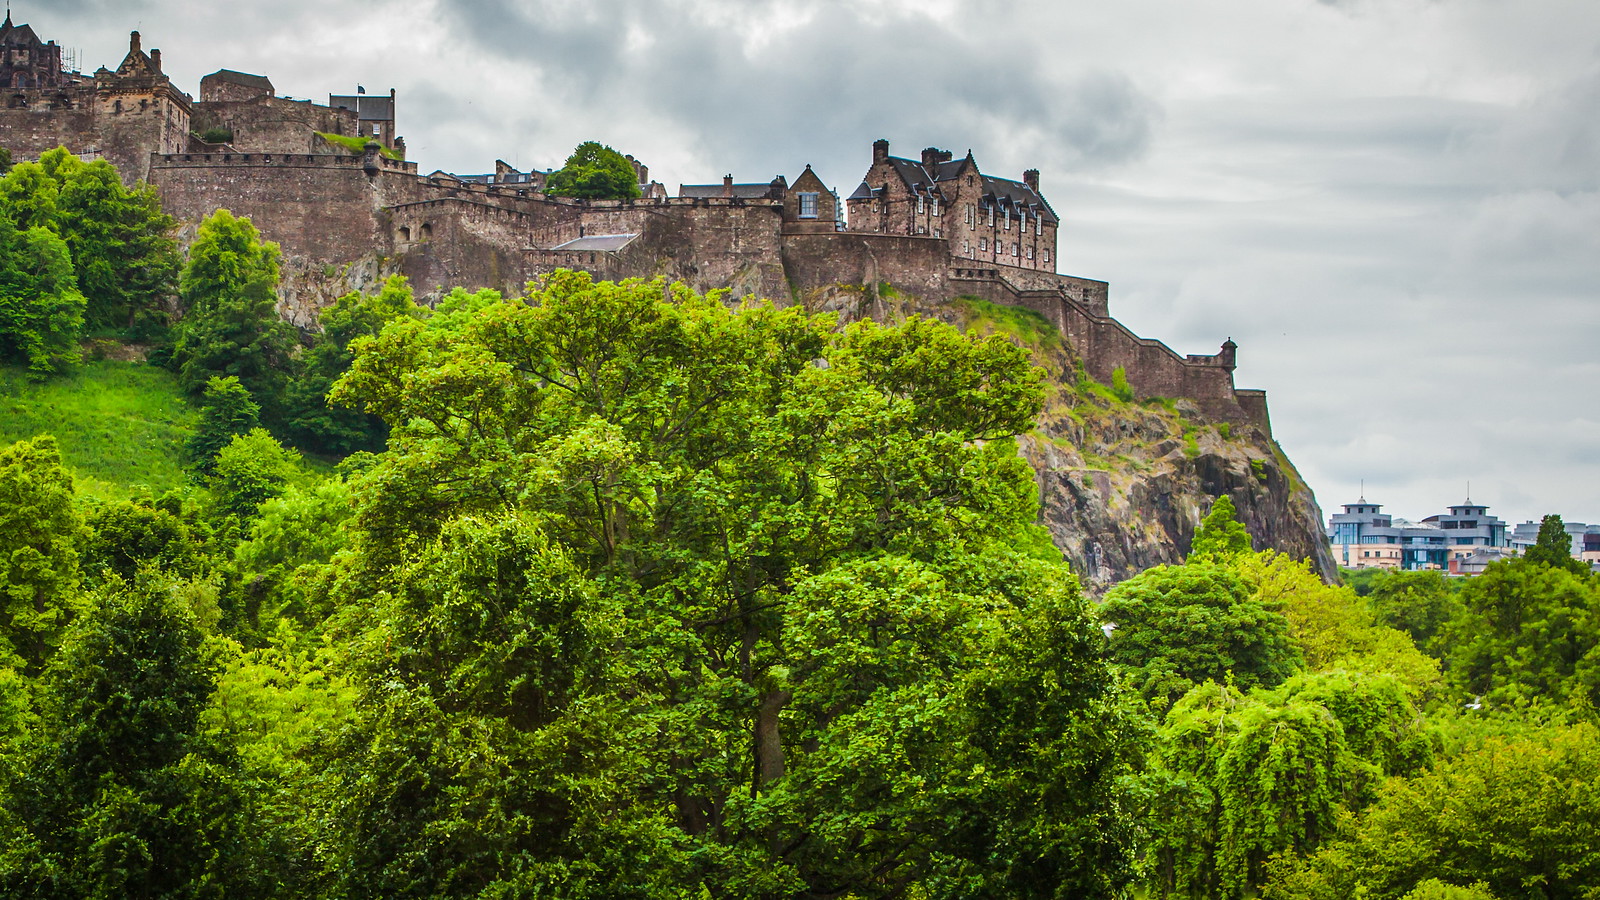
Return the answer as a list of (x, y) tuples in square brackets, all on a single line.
[(273, 124)]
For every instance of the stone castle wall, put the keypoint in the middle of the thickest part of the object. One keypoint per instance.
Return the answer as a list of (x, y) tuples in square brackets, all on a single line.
[(329, 209), (273, 124)]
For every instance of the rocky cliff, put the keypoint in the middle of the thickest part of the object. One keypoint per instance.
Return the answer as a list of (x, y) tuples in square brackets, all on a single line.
[(1124, 482)]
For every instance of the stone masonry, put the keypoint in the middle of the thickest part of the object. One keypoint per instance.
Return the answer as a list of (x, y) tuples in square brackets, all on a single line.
[(935, 227)]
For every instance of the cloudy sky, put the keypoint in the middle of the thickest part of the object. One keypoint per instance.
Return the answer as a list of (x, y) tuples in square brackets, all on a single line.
[(1393, 206)]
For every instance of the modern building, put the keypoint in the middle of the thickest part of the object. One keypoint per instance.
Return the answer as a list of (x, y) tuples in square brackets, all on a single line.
[(1585, 539), (1364, 537)]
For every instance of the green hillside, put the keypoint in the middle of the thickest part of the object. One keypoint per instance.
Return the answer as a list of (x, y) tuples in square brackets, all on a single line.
[(121, 426)]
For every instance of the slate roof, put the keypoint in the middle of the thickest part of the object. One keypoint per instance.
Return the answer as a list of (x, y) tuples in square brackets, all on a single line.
[(18, 35), (745, 191), (609, 243), (1004, 193), (244, 79)]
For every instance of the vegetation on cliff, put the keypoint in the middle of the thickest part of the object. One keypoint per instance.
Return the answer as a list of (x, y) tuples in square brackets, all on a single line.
[(622, 591)]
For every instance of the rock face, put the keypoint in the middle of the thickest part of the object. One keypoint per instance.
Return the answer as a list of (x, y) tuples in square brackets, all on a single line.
[(1123, 483)]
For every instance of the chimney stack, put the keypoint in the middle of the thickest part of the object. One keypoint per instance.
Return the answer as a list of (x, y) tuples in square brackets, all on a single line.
[(1031, 179), (880, 150), (133, 42), (155, 60), (727, 185)]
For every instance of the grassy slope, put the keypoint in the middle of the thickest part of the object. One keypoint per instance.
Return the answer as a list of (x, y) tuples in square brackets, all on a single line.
[(121, 426)]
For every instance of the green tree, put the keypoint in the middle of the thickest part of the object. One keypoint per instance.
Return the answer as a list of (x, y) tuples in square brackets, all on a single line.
[(252, 469), (226, 255), (40, 535), (123, 254), (1529, 633), (41, 308), (1553, 547), (231, 327), (785, 554), (123, 537), (1418, 603), (1178, 626), (595, 172), (1220, 536), (122, 795), (1517, 815), (313, 421), (1240, 779), (226, 411)]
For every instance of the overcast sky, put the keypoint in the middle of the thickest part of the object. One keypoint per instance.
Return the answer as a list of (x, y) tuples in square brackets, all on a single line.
[(1393, 206)]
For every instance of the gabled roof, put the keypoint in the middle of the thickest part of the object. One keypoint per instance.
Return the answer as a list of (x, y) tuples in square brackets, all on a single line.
[(864, 193), (18, 35), (243, 79), (1007, 194)]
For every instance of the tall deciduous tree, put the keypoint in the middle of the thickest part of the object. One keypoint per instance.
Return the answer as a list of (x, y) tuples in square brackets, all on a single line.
[(750, 578), (1553, 547), (41, 308), (123, 254), (122, 795), (231, 327), (596, 172), (40, 535), (1178, 626), (313, 421)]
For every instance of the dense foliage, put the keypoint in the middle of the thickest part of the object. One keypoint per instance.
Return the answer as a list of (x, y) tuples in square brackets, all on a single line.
[(595, 172), (622, 591)]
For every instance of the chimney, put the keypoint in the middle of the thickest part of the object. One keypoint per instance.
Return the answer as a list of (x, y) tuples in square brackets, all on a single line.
[(155, 60), (133, 42), (727, 185), (1031, 179), (880, 150)]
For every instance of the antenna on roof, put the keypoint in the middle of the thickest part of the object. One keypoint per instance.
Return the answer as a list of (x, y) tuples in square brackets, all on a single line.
[(1363, 490)]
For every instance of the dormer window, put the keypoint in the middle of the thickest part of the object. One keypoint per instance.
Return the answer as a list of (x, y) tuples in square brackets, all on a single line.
[(919, 204), (1008, 219), (936, 206)]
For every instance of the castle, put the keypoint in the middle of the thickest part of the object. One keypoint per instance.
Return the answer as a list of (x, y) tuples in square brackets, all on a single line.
[(934, 227)]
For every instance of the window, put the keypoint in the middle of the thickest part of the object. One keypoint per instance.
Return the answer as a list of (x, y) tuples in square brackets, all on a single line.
[(1015, 249), (936, 206), (1030, 252), (937, 232), (1008, 220), (1038, 224), (991, 217), (1047, 256), (966, 248), (808, 205), (971, 215), (377, 131), (922, 229), (919, 204), (983, 244)]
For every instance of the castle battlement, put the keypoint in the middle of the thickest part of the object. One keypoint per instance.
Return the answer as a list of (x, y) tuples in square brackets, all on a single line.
[(935, 227)]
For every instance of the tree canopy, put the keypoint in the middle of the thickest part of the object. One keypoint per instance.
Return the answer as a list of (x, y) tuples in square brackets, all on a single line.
[(595, 172)]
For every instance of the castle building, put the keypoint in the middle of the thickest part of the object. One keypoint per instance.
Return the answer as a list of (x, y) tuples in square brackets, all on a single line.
[(26, 61), (983, 218), (935, 228)]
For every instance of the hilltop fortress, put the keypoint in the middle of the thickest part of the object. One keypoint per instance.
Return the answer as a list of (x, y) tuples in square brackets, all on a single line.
[(934, 227)]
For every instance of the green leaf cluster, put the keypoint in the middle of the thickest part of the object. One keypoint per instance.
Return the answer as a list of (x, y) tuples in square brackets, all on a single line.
[(594, 172)]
